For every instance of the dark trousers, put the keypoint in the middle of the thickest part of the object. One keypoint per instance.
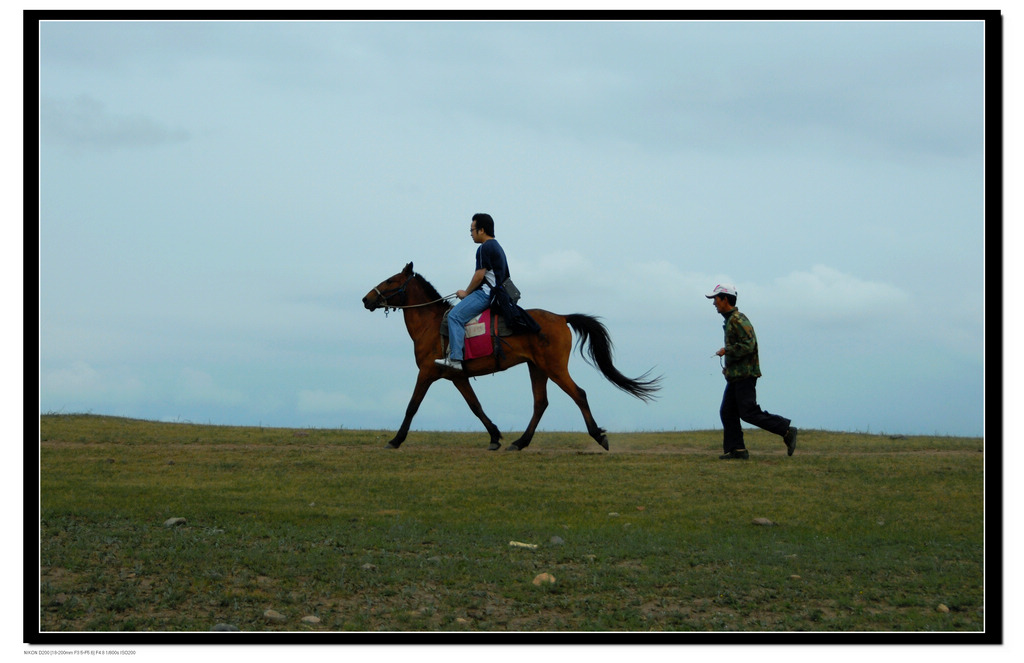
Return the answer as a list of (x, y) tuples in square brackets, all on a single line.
[(740, 402)]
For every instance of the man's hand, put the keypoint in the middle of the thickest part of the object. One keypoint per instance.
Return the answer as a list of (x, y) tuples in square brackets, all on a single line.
[(461, 294)]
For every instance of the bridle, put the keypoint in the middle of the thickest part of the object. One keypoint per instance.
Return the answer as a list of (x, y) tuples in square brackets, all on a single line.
[(400, 290)]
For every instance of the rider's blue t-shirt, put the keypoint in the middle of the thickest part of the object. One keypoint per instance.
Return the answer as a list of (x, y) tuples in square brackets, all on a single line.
[(491, 256)]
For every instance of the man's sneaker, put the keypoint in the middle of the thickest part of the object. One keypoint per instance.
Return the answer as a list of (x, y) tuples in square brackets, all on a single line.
[(739, 454), (448, 362), (790, 439)]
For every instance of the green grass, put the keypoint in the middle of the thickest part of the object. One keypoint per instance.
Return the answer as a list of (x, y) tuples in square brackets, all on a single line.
[(870, 534)]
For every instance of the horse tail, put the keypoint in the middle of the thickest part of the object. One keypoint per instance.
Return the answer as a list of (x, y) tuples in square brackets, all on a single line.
[(594, 338)]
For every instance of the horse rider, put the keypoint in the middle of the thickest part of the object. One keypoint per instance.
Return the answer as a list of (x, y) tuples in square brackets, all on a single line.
[(491, 272)]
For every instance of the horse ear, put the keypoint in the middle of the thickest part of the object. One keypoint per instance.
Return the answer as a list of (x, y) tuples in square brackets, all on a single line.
[(408, 270)]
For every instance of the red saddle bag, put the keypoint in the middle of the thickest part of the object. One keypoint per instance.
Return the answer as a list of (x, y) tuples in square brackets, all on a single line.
[(478, 336)]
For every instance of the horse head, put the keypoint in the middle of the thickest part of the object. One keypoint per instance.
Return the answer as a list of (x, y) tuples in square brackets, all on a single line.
[(390, 292)]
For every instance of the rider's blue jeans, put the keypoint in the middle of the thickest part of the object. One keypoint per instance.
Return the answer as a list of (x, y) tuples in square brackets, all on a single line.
[(473, 305)]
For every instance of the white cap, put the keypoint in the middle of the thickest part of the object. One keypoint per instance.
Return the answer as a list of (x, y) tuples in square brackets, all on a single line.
[(722, 289)]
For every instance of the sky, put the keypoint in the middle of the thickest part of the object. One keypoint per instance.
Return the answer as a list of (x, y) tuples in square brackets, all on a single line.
[(215, 199)]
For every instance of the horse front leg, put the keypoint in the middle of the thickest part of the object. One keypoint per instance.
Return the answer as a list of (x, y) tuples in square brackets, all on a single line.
[(539, 382), (466, 389), (423, 382)]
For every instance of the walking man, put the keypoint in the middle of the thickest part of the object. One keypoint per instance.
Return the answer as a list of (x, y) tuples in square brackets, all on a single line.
[(491, 272), (742, 369)]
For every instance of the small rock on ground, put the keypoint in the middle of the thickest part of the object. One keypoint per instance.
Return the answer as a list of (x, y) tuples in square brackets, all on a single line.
[(544, 578)]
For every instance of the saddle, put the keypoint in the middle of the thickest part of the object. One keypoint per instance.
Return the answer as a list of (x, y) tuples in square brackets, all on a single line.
[(482, 333)]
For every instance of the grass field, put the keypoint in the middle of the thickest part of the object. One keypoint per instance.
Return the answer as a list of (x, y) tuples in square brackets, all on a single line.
[(334, 533)]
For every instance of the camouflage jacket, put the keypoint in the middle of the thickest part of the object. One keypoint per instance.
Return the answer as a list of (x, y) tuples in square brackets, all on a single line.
[(740, 347)]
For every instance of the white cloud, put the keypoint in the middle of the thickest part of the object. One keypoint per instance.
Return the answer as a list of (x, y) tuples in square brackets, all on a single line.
[(828, 295), (659, 292), (316, 401), (196, 386), (86, 122), (78, 377), (79, 385)]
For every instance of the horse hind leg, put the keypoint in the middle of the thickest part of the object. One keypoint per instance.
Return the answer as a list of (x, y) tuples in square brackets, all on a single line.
[(566, 383), (466, 389), (539, 381)]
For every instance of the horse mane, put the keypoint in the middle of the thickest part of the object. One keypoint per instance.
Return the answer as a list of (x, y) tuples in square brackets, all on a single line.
[(430, 291)]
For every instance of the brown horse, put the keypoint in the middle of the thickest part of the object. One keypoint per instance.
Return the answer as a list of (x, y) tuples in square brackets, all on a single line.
[(545, 353)]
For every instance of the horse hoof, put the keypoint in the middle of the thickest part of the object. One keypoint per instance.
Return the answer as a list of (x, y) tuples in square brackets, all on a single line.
[(494, 446), (513, 447), (603, 441), (391, 446)]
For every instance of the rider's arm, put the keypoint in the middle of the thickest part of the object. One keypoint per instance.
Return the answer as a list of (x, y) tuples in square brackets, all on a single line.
[(474, 283)]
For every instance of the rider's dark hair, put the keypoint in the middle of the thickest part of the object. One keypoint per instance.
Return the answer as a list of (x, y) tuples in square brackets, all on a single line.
[(485, 223)]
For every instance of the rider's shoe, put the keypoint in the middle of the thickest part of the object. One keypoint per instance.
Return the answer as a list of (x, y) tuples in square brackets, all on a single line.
[(448, 362)]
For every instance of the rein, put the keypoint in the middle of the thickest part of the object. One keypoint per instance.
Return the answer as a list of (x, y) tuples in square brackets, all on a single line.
[(401, 290)]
